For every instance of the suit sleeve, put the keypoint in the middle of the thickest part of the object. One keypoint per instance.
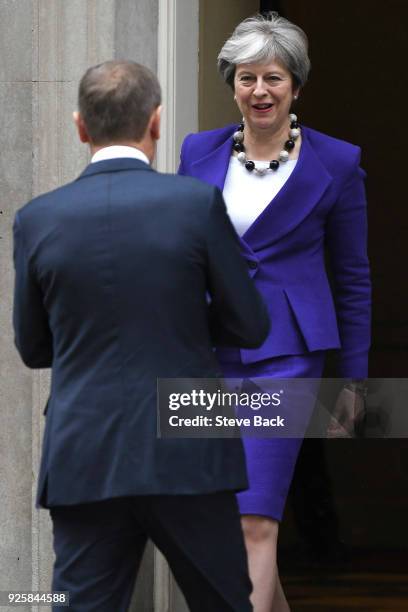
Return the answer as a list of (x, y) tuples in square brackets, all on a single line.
[(32, 334), (347, 245), (238, 316)]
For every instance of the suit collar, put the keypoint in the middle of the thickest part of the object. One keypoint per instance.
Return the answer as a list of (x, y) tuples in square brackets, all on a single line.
[(213, 167), (299, 195), (115, 165), (293, 203)]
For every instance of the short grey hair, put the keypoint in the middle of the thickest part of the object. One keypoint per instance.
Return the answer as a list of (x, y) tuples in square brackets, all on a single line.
[(262, 39)]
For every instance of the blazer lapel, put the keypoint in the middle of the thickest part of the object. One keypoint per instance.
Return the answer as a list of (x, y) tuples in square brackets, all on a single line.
[(298, 196), (296, 199), (213, 167)]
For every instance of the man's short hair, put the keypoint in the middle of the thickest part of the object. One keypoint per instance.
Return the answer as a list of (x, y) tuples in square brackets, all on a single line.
[(116, 100)]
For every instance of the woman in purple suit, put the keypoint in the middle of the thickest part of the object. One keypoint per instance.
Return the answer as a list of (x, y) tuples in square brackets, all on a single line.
[(290, 192)]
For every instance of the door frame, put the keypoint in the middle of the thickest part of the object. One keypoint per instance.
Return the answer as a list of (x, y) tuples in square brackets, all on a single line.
[(178, 46), (177, 59)]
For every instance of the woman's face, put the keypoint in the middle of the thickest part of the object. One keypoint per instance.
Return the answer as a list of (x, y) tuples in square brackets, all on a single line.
[(264, 94)]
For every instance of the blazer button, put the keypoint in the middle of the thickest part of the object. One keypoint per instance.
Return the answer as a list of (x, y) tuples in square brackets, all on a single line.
[(252, 264)]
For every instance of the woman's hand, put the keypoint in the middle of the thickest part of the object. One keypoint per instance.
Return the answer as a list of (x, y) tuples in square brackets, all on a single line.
[(348, 411)]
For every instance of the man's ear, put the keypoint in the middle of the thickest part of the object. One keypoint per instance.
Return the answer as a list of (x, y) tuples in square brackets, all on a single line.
[(154, 123), (81, 127)]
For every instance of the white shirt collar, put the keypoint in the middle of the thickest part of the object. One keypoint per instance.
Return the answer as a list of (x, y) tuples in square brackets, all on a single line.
[(118, 151)]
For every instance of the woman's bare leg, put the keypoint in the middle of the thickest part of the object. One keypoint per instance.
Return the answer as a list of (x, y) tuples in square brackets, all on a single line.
[(261, 537), (280, 603)]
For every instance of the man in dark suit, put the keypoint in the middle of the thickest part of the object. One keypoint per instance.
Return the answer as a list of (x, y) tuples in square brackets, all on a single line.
[(113, 274)]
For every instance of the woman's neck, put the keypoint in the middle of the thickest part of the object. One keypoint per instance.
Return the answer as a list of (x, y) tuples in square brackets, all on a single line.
[(264, 145)]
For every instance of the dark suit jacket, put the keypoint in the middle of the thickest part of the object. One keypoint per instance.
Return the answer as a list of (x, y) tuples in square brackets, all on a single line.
[(112, 277), (322, 205)]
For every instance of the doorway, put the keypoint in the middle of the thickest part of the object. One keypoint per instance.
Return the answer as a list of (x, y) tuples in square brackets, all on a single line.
[(354, 93)]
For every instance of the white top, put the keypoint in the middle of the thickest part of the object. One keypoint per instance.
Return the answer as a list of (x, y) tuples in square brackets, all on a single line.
[(117, 151), (247, 194)]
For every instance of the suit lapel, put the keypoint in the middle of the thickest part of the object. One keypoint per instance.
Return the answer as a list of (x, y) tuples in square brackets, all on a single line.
[(213, 167), (297, 198)]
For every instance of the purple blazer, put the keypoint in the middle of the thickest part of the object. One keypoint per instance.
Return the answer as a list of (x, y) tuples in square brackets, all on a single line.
[(322, 204)]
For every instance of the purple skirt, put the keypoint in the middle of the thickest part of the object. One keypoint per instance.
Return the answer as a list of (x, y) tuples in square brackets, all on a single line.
[(271, 462)]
